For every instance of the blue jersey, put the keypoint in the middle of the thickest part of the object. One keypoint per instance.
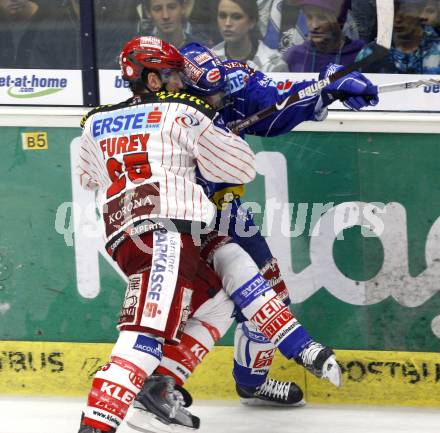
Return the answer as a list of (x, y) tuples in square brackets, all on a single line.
[(252, 91)]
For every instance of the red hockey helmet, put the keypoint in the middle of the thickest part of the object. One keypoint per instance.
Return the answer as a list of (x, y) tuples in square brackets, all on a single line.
[(148, 52)]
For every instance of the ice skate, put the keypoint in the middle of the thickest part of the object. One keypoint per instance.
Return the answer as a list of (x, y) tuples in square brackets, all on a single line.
[(159, 408), (320, 361), (185, 396), (272, 393)]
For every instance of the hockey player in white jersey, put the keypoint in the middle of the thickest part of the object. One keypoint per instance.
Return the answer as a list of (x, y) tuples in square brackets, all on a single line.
[(140, 158)]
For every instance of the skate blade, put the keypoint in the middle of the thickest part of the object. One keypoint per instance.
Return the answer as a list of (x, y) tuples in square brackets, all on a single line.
[(146, 422), (332, 372), (259, 402)]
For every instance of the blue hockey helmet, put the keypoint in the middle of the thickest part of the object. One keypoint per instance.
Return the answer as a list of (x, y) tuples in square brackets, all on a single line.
[(204, 72)]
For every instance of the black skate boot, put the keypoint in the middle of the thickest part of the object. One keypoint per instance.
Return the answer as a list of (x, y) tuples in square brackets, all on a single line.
[(321, 362), (272, 393), (160, 408), (186, 397), (87, 429)]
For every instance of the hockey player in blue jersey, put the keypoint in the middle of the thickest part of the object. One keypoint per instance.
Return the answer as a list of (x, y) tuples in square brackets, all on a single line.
[(239, 91)]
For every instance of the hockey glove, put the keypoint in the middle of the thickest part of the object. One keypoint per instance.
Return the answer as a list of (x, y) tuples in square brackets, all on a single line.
[(354, 90)]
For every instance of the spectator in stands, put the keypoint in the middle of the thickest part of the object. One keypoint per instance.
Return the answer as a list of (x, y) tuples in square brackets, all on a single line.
[(238, 24), (326, 42), (19, 20), (364, 15), (57, 40), (115, 21), (169, 20), (293, 29), (430, 17), (7, 51), (202, 17), (413, 51)]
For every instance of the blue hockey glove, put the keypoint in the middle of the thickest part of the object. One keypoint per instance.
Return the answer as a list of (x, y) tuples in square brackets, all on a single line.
[(354, 90)]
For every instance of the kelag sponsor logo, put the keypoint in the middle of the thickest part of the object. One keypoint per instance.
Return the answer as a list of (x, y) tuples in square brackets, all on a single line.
[(32, 86), (264, 358)]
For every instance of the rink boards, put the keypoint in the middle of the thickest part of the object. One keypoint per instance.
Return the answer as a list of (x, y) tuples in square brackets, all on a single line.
[(369, 377), (353, 217)]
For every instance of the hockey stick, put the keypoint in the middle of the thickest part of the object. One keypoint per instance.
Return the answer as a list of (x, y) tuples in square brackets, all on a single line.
[(394, 87), (385, 16)]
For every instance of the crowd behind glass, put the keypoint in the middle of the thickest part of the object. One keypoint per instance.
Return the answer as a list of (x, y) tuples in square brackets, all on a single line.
[(271, 35)]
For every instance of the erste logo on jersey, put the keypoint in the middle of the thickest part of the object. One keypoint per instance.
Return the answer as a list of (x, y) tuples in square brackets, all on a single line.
[(186, 121), (237, 80), (129, 122), (214, 75)]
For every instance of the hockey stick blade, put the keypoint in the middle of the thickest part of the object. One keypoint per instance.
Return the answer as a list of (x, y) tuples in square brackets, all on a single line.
[(395, 87), (385, 15)]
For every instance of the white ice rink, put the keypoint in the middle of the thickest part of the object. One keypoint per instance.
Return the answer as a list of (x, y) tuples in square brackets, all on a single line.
[(50, 415)]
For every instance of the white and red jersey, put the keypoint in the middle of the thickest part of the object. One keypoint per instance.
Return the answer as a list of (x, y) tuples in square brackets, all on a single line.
[(141, 156)]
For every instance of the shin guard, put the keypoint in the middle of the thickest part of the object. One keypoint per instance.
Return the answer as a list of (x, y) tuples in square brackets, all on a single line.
[(114, 387)]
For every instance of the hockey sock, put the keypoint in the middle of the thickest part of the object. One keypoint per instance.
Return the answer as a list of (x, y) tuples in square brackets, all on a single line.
[(180, 361), (116, 384), (253, 355), (271, 316), (257, 301)]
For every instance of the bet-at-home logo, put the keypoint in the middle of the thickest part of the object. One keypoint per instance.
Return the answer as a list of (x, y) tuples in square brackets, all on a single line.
[(33, 86)]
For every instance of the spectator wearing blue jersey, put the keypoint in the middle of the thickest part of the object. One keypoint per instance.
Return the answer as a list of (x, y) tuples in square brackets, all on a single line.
[(238, 24), (326, 41), (413, 49)]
